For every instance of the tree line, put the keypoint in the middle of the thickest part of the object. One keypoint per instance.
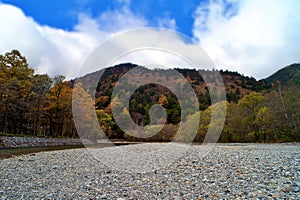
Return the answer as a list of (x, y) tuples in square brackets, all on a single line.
[(255, 118), (33, 104)]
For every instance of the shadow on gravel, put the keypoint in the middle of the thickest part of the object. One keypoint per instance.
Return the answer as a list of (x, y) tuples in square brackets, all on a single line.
[(11, 152)]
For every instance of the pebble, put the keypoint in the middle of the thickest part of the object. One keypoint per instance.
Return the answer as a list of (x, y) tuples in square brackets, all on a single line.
[(229, 171)]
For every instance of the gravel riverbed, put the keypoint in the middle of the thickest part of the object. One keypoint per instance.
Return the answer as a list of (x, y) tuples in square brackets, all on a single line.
[(20, 142), (229, 171)]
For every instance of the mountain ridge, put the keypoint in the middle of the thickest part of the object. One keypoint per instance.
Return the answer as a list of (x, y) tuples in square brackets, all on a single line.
[(286, 75), (236, 86)]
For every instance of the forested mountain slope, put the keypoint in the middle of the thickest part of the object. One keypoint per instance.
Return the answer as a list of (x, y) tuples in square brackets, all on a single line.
[(257, 111), (287, 75)]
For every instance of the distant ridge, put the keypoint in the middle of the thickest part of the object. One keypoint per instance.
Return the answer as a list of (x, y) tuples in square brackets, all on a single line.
[(287, 75), (236, 85)]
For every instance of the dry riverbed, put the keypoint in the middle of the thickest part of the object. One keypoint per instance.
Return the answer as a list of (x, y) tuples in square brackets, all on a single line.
[(23, 142), (232, 171)]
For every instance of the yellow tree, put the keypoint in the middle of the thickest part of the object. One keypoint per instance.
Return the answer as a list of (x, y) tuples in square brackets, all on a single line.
[(15, 86), (58, 108), (84, 113), (163, 101)]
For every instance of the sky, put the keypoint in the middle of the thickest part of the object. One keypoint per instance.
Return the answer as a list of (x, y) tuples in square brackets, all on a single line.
[(255, 38)]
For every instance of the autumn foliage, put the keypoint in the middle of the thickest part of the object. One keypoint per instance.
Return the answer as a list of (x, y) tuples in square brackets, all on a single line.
[(39, 105)]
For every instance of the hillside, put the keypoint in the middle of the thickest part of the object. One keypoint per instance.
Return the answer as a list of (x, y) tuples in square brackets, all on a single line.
[(37, 105), (287, 75), (236, 86), (251, 102)]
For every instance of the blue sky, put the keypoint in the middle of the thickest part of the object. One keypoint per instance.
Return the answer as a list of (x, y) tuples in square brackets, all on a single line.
[(253, 37), (64, 14)]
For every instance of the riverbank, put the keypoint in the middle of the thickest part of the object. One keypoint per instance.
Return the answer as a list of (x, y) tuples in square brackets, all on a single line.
[(14, 146), (23, 142), (231, 171)]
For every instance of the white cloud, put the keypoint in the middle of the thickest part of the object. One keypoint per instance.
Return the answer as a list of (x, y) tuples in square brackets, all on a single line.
[(122, 19), (48, 50), (152, 58), (167, 22), (253, 37), (149, 47), (56, 51)]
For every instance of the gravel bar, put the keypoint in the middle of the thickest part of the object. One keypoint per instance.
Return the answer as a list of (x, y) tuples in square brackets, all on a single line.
[(229, 171), (21, 142)]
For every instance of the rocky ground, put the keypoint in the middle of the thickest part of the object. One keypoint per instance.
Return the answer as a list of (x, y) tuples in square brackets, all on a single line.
[(17, 142), (229, 171)]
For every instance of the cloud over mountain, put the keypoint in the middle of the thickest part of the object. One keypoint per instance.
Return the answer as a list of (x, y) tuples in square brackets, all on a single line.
[(254, 37)]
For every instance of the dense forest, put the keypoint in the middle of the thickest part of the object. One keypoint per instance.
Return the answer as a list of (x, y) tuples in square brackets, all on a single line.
[(257, 111)]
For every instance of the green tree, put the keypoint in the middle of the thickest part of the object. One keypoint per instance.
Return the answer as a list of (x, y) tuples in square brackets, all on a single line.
[(231, 131), (264, 121), (249, 107), (36, 102), (106, 122), (284, 107), (291, 102)]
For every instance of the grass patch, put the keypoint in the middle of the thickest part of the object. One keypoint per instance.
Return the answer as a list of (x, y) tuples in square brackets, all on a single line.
[(11, 135)]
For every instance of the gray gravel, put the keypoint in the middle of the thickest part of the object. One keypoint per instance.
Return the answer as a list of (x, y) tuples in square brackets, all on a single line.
[(18, 142), (230, 171)]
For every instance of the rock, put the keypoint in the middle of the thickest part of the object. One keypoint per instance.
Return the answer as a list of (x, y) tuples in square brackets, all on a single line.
[(276, 195), (296, 183), (294, 189)]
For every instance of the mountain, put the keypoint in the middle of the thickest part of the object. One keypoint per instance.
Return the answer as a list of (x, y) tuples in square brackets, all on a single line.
[(287, 75), (236, 86), (151, 90)]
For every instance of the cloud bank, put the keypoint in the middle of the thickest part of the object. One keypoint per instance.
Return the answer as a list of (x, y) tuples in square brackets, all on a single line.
[(56, 51), (253, 37)]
